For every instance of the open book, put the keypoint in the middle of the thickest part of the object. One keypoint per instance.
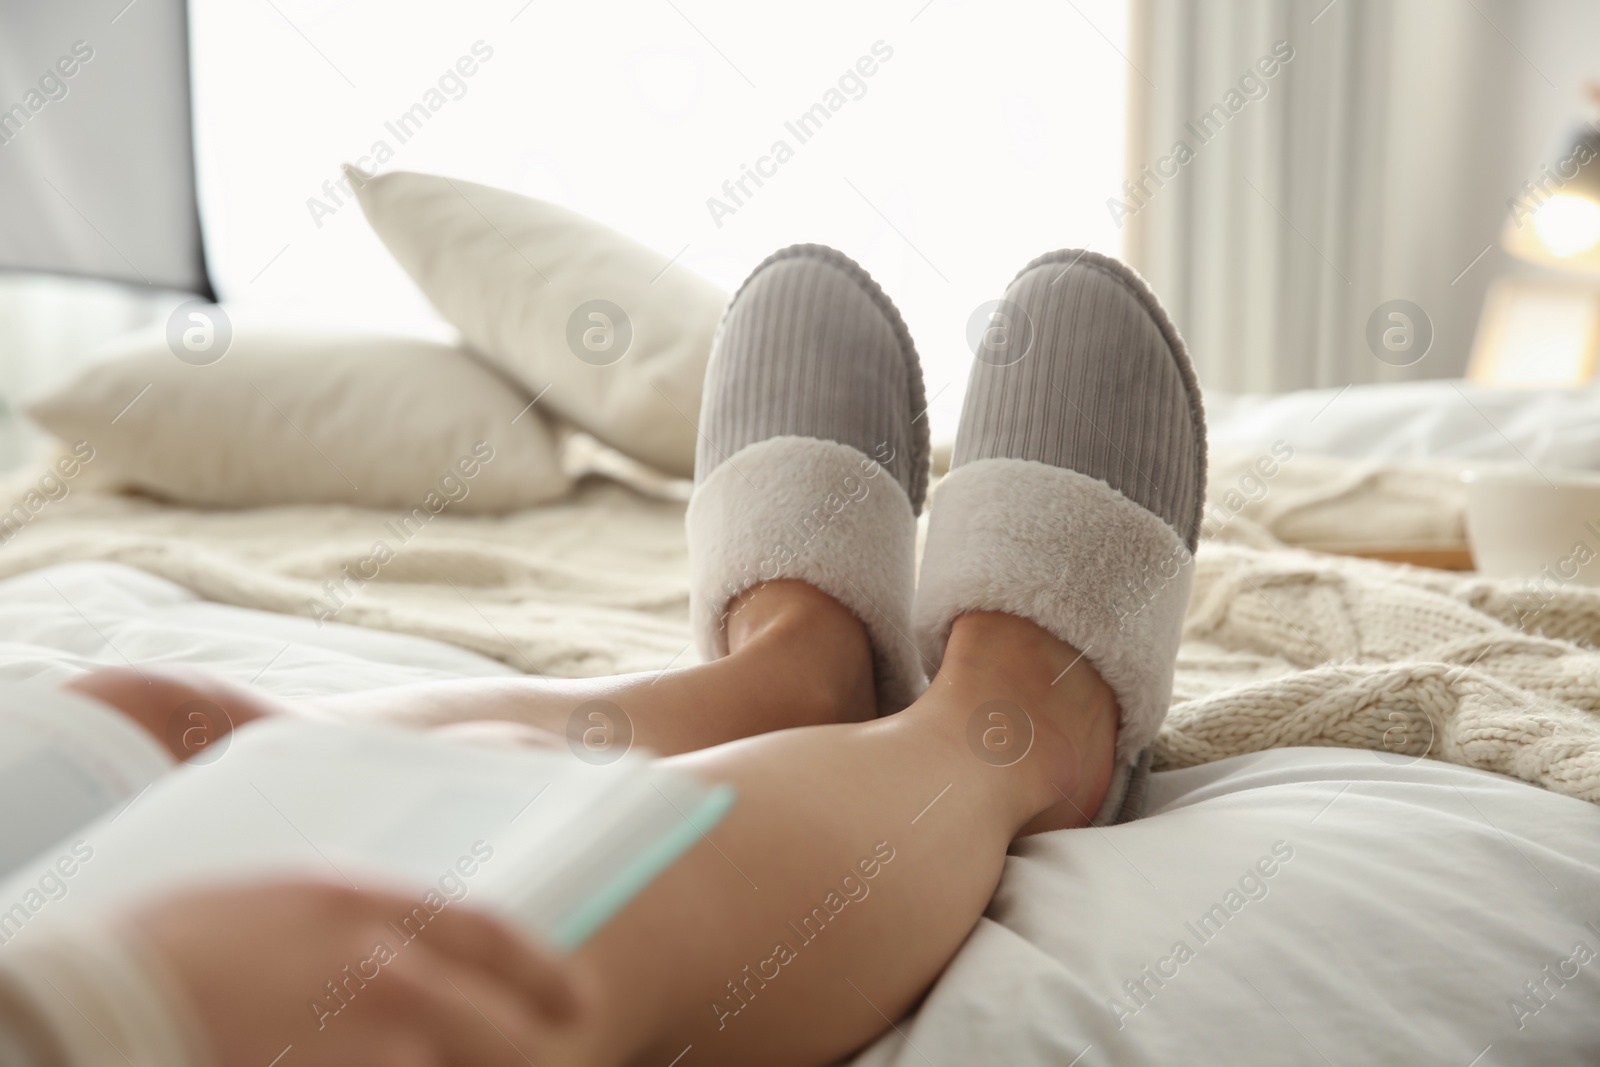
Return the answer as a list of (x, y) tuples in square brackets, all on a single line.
[(64, 761), (553, 844)]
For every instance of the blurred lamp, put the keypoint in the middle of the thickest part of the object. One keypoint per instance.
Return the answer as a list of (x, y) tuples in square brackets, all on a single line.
[(1556, 220)]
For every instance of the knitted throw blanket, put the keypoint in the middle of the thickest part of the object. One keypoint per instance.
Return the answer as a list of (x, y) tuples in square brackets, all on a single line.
[(1282, 647)]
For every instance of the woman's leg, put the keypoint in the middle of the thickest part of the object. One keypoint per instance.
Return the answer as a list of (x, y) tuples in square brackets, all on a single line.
[(857, 858), (853, 866), (797, 657)]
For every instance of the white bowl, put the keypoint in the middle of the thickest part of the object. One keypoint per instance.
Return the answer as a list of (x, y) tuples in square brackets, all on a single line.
[(1526, 525)]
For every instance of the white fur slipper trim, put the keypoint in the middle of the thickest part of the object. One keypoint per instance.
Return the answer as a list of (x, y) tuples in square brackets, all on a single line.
[(1075, 556), (819, 512)]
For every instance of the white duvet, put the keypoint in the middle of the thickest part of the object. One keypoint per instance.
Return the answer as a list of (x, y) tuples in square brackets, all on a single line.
[(63, 621), (1291, 906)]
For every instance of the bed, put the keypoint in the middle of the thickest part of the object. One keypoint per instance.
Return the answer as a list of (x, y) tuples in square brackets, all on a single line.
[(1372, 832), (1338, 864)]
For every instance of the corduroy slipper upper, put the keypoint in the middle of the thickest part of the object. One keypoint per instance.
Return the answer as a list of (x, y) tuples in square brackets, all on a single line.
[(1076, 488), (813, 456)]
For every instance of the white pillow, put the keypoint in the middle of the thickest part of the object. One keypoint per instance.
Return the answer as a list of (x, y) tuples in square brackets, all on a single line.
[(1551, 428), (1333, 906), (295, 416), (617, 333)]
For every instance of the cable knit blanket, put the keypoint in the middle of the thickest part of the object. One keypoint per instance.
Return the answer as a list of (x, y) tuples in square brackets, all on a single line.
[(1282, 647)]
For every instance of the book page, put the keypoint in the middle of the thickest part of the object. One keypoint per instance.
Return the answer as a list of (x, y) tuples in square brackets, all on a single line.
[(65, 760)]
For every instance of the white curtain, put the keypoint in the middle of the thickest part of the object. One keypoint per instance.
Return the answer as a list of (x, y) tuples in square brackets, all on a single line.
[(1371, 166)]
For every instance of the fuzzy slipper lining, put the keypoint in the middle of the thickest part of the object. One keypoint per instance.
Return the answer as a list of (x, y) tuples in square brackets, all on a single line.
[(819, 512), (1075, 556)]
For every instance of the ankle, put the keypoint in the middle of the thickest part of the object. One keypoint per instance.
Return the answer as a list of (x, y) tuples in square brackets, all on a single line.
[(1017, 670), (799, 641)]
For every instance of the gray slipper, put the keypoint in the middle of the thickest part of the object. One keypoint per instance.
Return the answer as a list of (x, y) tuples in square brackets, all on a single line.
[(1076, 488), (813, 456)]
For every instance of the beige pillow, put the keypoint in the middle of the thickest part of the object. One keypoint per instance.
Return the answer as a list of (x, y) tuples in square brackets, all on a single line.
[(618, 334), (297, 416)]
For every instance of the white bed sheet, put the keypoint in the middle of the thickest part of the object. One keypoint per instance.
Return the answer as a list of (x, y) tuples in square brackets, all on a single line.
[(63, 621), (1419, 899)]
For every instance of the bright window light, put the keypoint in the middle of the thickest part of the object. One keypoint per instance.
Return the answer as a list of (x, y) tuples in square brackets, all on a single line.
[(985, 135)]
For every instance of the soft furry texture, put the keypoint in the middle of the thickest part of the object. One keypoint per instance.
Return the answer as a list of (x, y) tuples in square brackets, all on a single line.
[(1073, 555), (819, 512)]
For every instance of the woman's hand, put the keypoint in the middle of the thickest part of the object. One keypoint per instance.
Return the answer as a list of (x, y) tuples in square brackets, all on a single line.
[(328, 971), (187, 710)]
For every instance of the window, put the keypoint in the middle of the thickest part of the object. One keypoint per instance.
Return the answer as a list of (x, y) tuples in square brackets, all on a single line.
[(984, 135)]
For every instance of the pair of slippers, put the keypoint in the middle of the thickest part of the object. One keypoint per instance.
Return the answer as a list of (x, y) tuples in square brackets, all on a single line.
[(1073, 500)]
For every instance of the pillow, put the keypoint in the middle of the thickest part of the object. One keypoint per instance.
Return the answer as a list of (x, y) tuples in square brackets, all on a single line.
[(617, 333), (1416, 420), (1293, 906), (293, 416)]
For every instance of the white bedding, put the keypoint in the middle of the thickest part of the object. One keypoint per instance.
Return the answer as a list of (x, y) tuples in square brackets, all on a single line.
[(1418, 900), (1421, 420), (59, 622)]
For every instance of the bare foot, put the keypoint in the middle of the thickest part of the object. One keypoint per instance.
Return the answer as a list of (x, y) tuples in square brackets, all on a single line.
[(797, 658), (809, 646), (1033, 702)]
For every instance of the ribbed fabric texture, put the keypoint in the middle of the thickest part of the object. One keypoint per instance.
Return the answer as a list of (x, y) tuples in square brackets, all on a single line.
[(1106, 388), (811, 347)]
